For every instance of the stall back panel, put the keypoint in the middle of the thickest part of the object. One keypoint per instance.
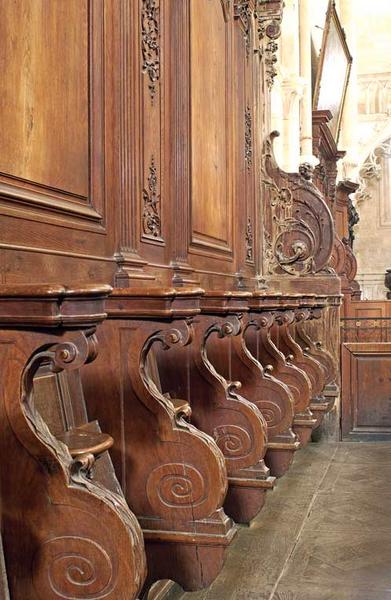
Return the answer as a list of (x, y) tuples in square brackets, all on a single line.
[(54, 139), (37, 111), (211, 129)]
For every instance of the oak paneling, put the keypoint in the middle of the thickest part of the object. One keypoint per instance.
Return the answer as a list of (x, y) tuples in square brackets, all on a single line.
[(366, 391), (44, 93), (211, 187)]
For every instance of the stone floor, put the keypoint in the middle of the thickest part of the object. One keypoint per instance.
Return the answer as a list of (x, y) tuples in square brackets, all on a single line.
[(324, 534)]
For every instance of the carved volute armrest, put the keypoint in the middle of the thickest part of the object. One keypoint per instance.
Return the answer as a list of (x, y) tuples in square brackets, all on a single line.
[(71, 524)]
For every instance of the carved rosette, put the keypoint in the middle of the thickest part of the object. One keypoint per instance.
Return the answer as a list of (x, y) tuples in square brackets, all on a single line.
[(299, 228), (269, 16), (150, 43), (151, 204)]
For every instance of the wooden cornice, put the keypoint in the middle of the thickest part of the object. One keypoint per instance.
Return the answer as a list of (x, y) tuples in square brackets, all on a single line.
[(152, 303), (52, 305)]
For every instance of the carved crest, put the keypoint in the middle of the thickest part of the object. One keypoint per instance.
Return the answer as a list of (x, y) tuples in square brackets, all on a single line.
[(299, 229)]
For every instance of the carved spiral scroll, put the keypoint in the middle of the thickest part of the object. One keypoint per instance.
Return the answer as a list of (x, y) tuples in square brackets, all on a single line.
[(77, 568), (234, 441), (175, 486), (299, 228), (271, 412)]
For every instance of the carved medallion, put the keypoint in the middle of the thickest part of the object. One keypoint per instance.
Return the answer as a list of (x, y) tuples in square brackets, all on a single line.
[(150, 43), (151, 199)]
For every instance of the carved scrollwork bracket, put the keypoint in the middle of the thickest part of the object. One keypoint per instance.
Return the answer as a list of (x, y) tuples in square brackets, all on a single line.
[(299, 227)]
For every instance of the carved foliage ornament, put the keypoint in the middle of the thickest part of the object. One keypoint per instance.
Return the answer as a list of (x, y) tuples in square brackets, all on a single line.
[(243, 11), (150, 43), (249, 241), (151, 201), (371, 170), (248, 139), (226, 4), (269, 16), (299, 228)]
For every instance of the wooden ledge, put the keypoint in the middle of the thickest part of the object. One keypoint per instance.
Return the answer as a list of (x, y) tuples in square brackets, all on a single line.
[(51, 305), (80, 441), (154, 303), (225, 302)]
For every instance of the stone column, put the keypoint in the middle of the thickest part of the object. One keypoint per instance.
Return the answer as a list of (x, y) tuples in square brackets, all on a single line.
[(306, 153), (291, 87), (349, 141)]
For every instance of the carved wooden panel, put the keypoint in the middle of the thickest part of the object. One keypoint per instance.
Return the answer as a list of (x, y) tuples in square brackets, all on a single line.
[(211, 129), (299, 229), (58, 120), (366, 390), (65, 534), (46, 114)]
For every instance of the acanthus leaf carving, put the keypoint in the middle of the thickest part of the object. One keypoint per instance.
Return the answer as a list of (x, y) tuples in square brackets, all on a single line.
[(269, 16), (299, 229), (244, 12), (150, 37), (248, 138), (226, 5), (151, 201), (249, 241)]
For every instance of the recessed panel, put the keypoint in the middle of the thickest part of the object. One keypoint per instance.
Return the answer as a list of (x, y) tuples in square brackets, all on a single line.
[(373, 403), (44, 93), (210, 129)]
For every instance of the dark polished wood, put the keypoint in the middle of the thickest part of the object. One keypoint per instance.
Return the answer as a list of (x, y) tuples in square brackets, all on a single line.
[(220, 399), (58, 516), (264, 311), (173, 475)]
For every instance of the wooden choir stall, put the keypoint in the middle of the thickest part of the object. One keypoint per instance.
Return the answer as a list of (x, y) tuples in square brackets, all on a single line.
[(169, 297)]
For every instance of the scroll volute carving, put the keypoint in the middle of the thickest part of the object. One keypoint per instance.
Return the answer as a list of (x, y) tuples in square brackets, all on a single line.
[(78, 539), (218, 405), (265, 312), (314, 346), (173, 475), (287, 344), (299, 228)]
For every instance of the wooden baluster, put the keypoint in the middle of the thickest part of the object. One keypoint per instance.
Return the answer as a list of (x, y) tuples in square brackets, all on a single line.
[(173, 475), (77, 538)]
